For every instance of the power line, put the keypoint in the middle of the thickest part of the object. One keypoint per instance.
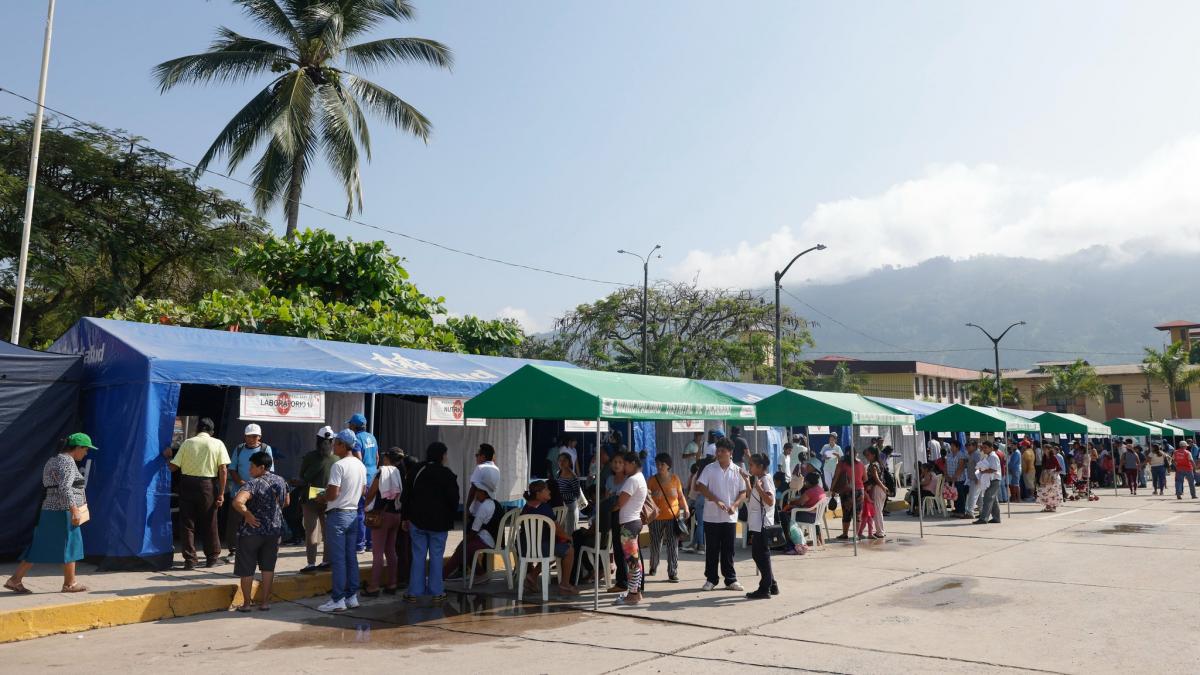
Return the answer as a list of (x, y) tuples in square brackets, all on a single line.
[(843, 325), (318, 209)]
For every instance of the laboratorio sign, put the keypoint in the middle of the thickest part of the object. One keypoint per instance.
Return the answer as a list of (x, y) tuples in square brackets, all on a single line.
[(620, 406)]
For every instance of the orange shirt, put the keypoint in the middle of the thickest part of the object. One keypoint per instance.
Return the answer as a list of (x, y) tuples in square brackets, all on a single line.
[(666, 495)]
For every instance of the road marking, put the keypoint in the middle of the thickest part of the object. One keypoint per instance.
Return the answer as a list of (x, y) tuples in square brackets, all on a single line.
[(1065, 513), (1116, 515), (1172, 518)]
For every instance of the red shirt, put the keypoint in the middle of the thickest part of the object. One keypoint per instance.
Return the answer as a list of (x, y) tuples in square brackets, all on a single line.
[(1183, 460)]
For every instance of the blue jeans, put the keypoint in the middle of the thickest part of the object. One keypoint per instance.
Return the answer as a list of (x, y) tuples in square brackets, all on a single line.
[(426, 543), (340, 537), (1181, 476), (1159, 474)]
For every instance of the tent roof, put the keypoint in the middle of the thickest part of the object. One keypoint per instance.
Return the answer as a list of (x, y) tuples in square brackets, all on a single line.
[(749, 392), (117, 352), (1170, 430), (917, 409), (1068, 423), (1123, 426), (1027, 414), (1188, 424), (961, 417), (822, 408), (553, 393)]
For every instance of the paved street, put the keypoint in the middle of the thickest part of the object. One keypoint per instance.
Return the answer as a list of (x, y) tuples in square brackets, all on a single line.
[(1096, 587)]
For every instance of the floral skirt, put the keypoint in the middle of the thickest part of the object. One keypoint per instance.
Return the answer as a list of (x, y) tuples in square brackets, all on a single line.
[(1050, 495)]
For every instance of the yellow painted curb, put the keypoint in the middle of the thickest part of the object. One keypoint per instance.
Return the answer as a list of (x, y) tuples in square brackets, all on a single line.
[(35, 622)]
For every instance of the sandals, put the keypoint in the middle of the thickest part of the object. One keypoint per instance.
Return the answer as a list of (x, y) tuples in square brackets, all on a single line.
[(17, 588), (74, 588)]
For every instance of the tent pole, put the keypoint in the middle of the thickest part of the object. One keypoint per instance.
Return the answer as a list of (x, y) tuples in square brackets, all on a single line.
[(916, 484), (1112, 454), (371, 419), (596, 530), (529, 453), (853, 492), (1005, 487), (466, 480)]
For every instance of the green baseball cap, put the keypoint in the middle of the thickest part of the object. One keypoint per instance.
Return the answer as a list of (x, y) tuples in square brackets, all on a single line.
[(80, 441)]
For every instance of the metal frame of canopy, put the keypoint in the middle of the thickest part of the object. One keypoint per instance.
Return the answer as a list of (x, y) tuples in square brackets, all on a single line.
[(982, 419), (586, 394), (794, 407)]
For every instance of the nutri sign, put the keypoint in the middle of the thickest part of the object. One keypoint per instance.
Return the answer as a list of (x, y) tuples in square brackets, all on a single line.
[(448, 412), (584, 426), (283, 405), (686, 426)]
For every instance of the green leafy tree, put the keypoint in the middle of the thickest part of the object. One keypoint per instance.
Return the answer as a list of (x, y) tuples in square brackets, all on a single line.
[(691, 332), (319, 286), (983, 391), (113, 220), (1071, 383), (840, 380), (1171, 367), (313, 103)]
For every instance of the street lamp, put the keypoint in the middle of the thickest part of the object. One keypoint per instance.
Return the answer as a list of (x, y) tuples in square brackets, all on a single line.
[(778, 287), (645, 289), (999, 394)]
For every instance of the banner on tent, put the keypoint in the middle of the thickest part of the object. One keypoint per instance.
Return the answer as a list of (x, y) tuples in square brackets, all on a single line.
[(756, 428), (625, 406), (973, 434), (282, 405), (686, 426), (866, 430), (908, 430), (944, 434), (448, 412), (817, 430), (585, 426)]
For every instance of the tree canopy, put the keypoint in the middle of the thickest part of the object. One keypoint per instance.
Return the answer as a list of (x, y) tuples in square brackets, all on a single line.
[(113, 220), (983, 391), (840, 380), (1171, 367), (691, 332), (1070, 383)]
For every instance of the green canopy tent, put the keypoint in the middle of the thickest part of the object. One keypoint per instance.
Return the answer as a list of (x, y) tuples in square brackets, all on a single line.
[(1170, 431), (555, 393), (1068, 423), (792, 407), (982, 419), (1123, 426)]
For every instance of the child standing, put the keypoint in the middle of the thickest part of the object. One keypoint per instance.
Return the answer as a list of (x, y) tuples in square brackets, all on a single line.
[(868, 517), (760, 514)]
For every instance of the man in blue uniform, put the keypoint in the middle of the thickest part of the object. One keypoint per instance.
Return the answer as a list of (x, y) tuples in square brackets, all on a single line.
[(368, 452)]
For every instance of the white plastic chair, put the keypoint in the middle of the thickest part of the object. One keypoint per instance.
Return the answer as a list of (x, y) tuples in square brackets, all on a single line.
[(533, 530), (934, 503), (811, 534), (505, 548), (587, 552), (560, 515)]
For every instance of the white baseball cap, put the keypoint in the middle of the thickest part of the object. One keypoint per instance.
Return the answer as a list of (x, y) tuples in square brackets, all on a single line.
[(325, 432), (253, 430)]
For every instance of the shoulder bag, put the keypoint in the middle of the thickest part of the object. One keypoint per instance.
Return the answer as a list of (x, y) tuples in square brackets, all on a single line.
[(774, 534), (80, 516), (649, 511)]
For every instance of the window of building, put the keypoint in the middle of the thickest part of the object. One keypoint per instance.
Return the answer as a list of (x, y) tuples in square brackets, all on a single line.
[(1115, 394), (916, 386), (1182, 396)]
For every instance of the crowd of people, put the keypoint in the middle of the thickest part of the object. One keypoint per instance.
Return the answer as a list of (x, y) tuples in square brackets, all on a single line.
[(350, 498)]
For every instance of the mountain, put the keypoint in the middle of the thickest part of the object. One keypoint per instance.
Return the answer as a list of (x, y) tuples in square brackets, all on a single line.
[(1080, 306)]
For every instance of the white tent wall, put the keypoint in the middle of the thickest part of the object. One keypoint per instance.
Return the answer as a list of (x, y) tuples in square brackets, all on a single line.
[(669, 442), (400, 422)]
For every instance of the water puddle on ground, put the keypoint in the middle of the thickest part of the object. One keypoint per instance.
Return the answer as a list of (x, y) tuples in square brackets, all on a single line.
[(1128, 528), (461, 620), (942, 594)]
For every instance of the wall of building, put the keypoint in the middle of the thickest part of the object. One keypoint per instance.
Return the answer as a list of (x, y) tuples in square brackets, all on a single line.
[(1131, 403), (914, 386)]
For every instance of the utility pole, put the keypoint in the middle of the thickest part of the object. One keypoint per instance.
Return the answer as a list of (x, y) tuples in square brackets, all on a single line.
[(36, 143), (645, 293), (996, 352), (778, 330)]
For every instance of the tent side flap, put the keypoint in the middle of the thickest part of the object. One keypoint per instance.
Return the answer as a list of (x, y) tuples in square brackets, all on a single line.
[(1067, 423), (959, 417), (792, 407)]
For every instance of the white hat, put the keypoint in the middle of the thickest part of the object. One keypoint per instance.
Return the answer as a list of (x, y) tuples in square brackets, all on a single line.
[(325, 432), (253, 430)]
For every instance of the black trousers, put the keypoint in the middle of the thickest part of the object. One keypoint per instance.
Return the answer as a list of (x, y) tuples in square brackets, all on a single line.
[(198, 511), (762, 558), (718, 550)]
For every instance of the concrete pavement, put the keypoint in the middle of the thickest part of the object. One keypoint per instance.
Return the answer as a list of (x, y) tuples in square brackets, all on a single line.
[(1097, 587)]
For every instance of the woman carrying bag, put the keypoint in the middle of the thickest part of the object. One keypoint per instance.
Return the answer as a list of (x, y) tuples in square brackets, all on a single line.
[(56, 538), (671, 524)]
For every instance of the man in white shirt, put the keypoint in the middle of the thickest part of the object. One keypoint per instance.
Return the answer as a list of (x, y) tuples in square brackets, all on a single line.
[(710, 450), (347, 484), (631, 498), (485, 472), (830, 454), (933, 450), (785, 461), (692, 449), (724, 492), (988, 471)]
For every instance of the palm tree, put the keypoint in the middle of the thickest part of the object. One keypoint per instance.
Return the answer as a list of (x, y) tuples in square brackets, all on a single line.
[(840, 380), (1170, 366), (1070, 383), (983, 391), (312, 104)]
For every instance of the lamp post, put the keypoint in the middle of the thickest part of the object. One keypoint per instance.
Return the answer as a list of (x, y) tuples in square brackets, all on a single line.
[(645, 290), (996, 352), (778, 287), (36, 143)]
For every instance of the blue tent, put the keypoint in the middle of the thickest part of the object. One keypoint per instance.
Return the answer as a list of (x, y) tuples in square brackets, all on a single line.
[(132, 378)]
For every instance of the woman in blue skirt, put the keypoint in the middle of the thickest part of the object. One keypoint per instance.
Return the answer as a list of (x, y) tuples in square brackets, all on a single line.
[(56, 539)]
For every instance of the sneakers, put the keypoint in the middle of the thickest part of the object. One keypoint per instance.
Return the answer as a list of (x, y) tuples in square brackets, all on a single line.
[(758, 595), (309, 569), (708, 586), (774, 589), (352, 602), (673, 578), (735, 586), (411, 599), (439, 599), (333, 606)]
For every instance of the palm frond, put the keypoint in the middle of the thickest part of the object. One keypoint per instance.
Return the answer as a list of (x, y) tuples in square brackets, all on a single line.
[(334, 22), (231, 58), (369, 55), (271, 17), (293, 127), (247, 127), (389, 107), (337, 140)]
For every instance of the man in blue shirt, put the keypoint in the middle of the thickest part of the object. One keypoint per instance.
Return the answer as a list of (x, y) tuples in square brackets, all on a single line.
[(956, 473), (368, 452), (239, 474)]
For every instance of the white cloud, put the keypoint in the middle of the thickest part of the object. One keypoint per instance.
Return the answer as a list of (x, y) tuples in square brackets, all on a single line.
[(959, 211), (523, 317)]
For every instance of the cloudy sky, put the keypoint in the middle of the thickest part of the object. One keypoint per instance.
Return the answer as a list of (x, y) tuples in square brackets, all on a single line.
[(734, 134)]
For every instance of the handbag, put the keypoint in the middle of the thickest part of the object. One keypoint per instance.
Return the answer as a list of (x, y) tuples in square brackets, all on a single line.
[(81, 516), (681, 526), (649, 511), (833, 503)]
